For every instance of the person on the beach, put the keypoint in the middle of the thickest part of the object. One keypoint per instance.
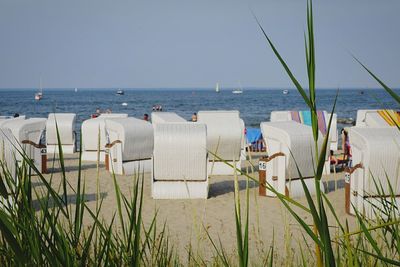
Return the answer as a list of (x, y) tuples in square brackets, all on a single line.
[(16, 115), (194, 117), (146, 117), (333, 159), (96, 114), (346, 144)]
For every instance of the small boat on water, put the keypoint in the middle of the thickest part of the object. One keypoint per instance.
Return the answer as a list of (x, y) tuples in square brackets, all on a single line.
[(39, 94), (237, 91), (285, 92), (124, 104), (217, 88), (76, 90), (120, 92)]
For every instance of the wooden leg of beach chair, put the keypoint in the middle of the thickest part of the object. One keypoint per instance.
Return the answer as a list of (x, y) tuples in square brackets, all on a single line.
[(44, 161), (275, 173), (347, 192), (262, 176), (107, 160), (347, 188)]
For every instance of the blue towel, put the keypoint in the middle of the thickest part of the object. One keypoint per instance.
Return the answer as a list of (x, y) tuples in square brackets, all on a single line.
[(253, 135)]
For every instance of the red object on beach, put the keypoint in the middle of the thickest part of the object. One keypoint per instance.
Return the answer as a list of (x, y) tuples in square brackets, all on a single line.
[(94, 115)]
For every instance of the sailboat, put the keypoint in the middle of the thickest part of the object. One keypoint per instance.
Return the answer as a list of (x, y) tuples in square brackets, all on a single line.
[(217, 88), (285, 92), (39, 94), (238, 90), (76, 90)]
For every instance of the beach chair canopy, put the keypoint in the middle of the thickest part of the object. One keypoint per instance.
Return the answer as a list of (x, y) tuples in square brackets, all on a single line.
[(93, 132), (113, 115), (135, 135), (304, 117), (5, 119), (378, 150), (160, 117), (30, 129), (296, 141), (225, 133), (377, 118), (180, 152), (8, 150), (66, 126)]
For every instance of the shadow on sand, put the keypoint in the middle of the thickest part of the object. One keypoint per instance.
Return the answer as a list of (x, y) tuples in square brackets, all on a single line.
[(71, 199)]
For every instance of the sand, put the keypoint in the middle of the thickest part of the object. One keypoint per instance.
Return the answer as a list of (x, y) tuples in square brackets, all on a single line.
[(187, 219)]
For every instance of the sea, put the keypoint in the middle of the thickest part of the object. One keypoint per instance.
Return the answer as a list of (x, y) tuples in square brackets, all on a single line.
[(255, 105)]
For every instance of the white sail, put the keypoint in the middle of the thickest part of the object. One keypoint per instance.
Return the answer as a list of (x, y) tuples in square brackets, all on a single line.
[(217, 88)]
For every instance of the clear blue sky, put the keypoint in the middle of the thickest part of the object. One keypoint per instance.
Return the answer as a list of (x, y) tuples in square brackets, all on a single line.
[(193, 43)]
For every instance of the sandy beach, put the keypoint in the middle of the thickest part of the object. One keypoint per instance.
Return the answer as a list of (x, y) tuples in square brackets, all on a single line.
[(186, 220)]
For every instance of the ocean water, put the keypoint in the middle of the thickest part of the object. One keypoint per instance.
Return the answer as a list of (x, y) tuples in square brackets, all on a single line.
[(255, 106)]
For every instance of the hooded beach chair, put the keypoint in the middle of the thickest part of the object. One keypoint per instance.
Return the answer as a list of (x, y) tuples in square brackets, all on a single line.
[(66, 129), (225, 140), (94, 137), (179, 159), (159, 117), (289, 143), (130, 145), (376, 168), (26, 140), (5, 119), (8, 144), (8, 151), (377, 118), (304, 117)]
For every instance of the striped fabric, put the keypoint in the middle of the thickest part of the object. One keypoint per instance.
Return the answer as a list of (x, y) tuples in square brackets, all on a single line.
[(392, 117), (304, 117)]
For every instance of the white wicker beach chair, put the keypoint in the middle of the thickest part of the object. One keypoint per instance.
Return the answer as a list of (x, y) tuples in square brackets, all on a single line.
[(158, 117), (370, 118), (180, 158), (130, 145), (225, 139), (8, 150), (5, 119), (66, 129), (8, 144), (94, 137), (376, 159), (289, 143), (333, 132), (27, 135)]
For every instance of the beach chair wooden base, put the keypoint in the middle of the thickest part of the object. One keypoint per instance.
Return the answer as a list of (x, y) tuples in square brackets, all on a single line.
[(272, 172), (180, 189), (93, 156), (128, 168), (66, 149), (221, 168)]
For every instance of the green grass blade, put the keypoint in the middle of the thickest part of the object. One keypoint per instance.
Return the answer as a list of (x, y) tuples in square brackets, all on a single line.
[(290, 74), (387, 88)]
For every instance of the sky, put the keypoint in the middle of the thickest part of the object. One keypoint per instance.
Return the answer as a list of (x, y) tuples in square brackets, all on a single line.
[(194, 44)]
